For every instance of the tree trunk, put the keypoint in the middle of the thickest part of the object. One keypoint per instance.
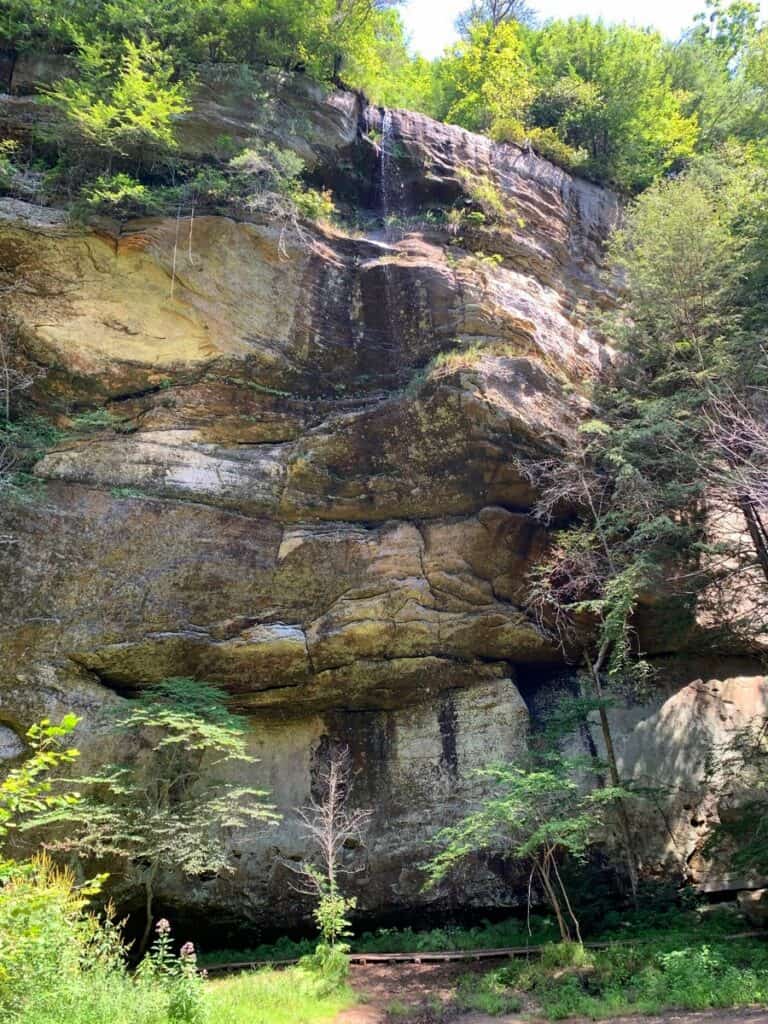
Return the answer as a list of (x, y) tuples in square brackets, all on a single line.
[(613, 771), (551, 894), (757, 531), (149, 899)]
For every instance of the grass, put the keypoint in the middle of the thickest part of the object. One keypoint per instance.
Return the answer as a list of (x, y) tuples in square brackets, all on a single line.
[(100, 998), (638, 977), (292, 996), (487, 993)]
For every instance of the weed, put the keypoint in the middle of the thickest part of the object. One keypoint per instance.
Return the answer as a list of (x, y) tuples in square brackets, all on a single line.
[(485, 194)]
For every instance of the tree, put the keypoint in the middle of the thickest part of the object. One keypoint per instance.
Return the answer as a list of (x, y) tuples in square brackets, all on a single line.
[(636, 478), (174, 805), (694, 263), (715, 68), (486, 78), (494, 12), (124, 104), (536, 815), (380, 64), (606, 89), (330, 826)]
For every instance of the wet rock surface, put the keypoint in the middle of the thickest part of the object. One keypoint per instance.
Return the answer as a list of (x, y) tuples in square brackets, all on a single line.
[(305, 484)]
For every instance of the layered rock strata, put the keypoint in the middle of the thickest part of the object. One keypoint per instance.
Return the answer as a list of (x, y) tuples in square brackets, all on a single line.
[(302, 481)]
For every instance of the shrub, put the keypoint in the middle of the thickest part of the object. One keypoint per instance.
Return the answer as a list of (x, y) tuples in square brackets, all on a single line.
[(314, 204), (330, 963), (565, 954), (8, 149), (644, 978), (60, 963), (270, 180), (487, 994), (485, 194), (119, 195), (121, 102)]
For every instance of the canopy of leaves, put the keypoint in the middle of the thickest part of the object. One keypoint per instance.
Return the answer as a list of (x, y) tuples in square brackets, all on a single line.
[(606, 90), (616, 103), (485, 78)]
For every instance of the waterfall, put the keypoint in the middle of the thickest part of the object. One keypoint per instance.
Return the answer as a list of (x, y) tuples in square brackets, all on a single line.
[(391, 188), (391, 179)]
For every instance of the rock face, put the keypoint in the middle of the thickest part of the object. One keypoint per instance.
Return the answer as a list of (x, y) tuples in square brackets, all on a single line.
[(302, 481)]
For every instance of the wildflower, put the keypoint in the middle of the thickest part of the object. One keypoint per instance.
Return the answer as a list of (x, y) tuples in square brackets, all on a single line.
[(163, 926), (187, 950)]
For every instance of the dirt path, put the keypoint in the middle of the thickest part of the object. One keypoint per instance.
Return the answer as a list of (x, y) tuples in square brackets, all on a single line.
[(383, 987), (710, 1017), (424, 994)]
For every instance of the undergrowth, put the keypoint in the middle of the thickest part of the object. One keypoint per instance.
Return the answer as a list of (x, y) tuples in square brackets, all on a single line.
[(487, 935), (668, 969)]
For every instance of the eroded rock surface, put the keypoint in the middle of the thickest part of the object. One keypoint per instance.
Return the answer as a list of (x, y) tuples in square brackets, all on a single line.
[(303, 484)]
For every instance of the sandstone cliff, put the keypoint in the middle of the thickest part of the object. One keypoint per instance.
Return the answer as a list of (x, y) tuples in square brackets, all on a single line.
[(303, 483)]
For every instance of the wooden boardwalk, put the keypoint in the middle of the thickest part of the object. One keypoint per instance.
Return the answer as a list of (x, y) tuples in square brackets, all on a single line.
[(445, 956)]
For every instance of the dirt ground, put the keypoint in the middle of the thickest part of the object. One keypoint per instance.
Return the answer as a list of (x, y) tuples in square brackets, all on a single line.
[(428, 991)]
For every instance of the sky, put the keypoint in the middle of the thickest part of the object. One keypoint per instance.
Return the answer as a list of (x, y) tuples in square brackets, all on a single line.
[(430, 22)]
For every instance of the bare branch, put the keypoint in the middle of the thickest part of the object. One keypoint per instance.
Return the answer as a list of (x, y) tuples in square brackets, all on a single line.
[(330, 825)]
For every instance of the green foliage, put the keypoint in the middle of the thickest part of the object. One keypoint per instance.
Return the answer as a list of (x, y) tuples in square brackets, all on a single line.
[(173, 805), (122, 103), (488, 935), (606, 90), (611, 101), (486, 194), (332, 914), (625, 979), (58, 962), (533, 810), (176, 975), (639, 475), (487, 993), (599, 99), (29, 789), (269, 178), (329, 961), (719, 68), (29, 24), (27, 439), (118, 195), (94, 419), (536, 815), (8, 149), (485, 78)]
